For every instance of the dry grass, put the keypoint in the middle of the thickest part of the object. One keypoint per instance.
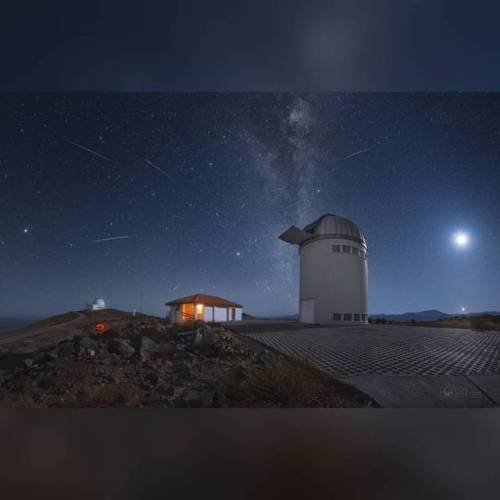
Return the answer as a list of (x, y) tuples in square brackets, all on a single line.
[(287, 384), (50, 322), (485, 322), (20, 401), (291, 384)]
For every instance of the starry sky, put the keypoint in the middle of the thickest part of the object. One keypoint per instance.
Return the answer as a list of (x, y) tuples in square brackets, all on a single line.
[(118, 195)]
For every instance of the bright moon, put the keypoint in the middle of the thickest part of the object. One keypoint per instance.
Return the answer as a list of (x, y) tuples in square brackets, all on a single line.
[(461, 239)]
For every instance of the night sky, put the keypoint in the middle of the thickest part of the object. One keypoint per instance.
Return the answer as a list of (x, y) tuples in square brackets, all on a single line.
[(258, 45), (105, 195)]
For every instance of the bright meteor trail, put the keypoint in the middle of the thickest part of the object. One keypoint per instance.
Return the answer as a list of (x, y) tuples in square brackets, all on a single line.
[(356, 153), (151, 164), (91, 151), (113, 238)]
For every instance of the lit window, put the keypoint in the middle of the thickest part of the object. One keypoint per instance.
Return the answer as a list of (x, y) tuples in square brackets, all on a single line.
[(199, 308), (346, 249), (347, 317), (337, 317), (356, 317), (336, 248)]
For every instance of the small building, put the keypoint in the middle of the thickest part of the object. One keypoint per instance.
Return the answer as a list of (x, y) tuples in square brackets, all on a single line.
[(208, 308), (98, 304)]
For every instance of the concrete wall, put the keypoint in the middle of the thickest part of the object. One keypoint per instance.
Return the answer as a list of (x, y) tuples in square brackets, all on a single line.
[(336, 282), (175, 315), (220, 314), (209, 313)]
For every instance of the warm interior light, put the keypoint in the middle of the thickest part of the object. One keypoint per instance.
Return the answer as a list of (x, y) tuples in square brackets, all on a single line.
[(199, 308)]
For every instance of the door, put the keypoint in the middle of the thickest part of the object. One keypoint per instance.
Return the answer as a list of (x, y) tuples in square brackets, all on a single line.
[(307, 311), (187, 312)]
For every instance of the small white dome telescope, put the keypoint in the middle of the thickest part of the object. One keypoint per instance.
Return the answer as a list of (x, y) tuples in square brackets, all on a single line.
[(98, 304)]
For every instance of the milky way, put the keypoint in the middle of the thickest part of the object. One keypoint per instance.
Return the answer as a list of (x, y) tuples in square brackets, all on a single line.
[(186, 193)]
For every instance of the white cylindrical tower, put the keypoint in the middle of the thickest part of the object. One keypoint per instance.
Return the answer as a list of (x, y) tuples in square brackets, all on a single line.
[(333, 271)]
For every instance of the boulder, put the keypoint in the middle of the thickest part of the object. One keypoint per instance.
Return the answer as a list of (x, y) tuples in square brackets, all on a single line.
[(28, 362), (190, 398), (86, 344), (51, 354), (205, 341), (121, 347), (147, 348)]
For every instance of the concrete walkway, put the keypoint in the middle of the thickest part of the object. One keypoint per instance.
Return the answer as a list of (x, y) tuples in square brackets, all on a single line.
[(401, 366)]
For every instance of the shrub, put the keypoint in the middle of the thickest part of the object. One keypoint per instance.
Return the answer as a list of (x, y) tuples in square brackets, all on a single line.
[(288, 383)]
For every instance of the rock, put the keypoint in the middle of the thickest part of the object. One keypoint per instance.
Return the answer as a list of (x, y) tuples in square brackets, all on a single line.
[(239, 373), (191, 398), (122, 347), (66, 348), (28, 362), (180, 355), (147, 348), (206, 399), (52, 354), (177, 392), (219, 400), (205, 342), (86, 344)]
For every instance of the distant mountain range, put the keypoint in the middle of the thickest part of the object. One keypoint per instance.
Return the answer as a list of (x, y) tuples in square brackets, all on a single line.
[(430, 315)]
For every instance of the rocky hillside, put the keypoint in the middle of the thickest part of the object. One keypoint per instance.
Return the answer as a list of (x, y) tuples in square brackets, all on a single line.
[(148, 363)]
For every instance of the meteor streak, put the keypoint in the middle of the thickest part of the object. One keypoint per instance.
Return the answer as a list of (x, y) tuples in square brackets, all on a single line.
[(112, 238), (91, 151), (151, 164), (356, 153)]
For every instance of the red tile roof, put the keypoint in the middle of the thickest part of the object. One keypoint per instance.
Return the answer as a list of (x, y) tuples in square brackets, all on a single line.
[(207, 300)]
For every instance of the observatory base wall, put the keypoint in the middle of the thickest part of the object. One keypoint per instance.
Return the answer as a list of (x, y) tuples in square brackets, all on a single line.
[(335, 280)]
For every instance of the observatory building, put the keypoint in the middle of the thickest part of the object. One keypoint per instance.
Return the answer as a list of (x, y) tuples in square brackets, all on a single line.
[(333, 271), (98, 304)]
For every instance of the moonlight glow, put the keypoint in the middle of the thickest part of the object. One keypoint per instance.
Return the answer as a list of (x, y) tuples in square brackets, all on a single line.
[(461, 239)]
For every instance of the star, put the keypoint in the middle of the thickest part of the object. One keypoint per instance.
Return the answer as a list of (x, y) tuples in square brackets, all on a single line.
[(26, 230)]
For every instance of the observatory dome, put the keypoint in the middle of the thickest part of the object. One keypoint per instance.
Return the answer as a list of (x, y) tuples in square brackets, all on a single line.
[(330, 225), (99, 304)]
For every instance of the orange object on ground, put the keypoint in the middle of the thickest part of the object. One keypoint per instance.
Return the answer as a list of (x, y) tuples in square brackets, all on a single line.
[(102, 326)]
